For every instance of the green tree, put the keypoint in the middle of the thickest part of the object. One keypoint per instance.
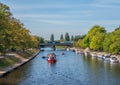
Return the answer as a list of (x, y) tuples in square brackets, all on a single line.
[(97, 41), (72, 38), (67, 37), (85, 42), (41, 40), (91, 38), (52, 38), (107, 42), (5, 16), (77, 37), (61, 37), (13, 34), (112, 42), (117, 28)]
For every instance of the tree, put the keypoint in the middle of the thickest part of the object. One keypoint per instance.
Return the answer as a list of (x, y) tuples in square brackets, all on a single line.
[(97, 41), (67, 37), (85, 42), (5, 16), (94, 38), (117, 28), (72, 38), (13, 34), (77, 37), (41, 40), (52, 38), (4, 11), (61, 37), (112, 42)]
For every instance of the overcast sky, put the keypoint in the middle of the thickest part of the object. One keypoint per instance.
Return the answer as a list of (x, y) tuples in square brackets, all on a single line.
[(44, 17)]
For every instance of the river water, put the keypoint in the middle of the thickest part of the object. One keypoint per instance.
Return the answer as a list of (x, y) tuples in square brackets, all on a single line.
[(70, 69)]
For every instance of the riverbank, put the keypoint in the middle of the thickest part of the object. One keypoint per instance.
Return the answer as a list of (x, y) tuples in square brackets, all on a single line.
[(103, 53), (97, 52), (21, 59)]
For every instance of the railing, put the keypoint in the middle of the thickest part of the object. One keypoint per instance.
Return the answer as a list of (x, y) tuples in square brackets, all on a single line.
[(56, 44)]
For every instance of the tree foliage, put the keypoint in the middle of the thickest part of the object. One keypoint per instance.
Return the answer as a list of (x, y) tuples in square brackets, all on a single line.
[(67, 37), (98, 39), (77, 37), (52, 38), (93, 38), (112, 42), (61, 37), (72, 38), (13, 34)]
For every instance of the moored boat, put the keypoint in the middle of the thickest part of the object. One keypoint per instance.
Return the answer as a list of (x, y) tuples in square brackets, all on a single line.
[(106, 58), (113, 59), (86, 53), (94, 55), (100, 56)]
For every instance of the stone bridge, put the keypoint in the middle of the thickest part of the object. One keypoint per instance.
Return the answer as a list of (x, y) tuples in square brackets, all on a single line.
[(53, 44)]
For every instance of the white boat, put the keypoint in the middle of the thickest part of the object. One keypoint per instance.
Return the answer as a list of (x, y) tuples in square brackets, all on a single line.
[(79, 51), (87, 53), (94, 55), (113, 59), (106, 58), (100, 56), (68, 49)]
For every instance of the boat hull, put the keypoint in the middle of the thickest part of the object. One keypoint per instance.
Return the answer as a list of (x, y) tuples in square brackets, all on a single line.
[(52, 61)]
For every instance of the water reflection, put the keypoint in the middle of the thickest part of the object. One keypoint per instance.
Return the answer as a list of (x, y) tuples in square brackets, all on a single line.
[(70, 69), (14, 78)]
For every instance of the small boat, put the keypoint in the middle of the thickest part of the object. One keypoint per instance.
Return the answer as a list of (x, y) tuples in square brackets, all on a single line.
[(68, 49), (43, 57), (106, 58), (87, 53), (113, 59), (63, 53), (94, 55), (79, 51), (100, 56), (51, 58)]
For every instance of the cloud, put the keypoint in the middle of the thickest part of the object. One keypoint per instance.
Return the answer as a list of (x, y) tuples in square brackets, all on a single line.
[(45, 6), (73, 22), (106, 3), (63, 16), (22, 15)]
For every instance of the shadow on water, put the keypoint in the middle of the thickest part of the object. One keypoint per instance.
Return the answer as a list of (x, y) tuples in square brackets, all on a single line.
[(70, 69), (14, 77)]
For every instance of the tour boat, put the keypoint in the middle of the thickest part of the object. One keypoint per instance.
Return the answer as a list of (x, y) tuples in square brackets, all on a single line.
[(51, 58)]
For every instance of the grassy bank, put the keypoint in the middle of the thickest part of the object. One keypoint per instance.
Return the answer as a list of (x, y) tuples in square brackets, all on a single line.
[(61, 47), (10, 59)]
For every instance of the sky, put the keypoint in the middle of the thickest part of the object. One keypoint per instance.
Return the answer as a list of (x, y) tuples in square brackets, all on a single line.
[(77, 17)]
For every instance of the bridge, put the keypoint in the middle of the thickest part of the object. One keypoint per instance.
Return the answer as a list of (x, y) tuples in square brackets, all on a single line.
[(53, 44)]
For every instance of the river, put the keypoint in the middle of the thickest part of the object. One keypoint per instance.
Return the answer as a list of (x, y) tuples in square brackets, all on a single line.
[(70, 69)]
